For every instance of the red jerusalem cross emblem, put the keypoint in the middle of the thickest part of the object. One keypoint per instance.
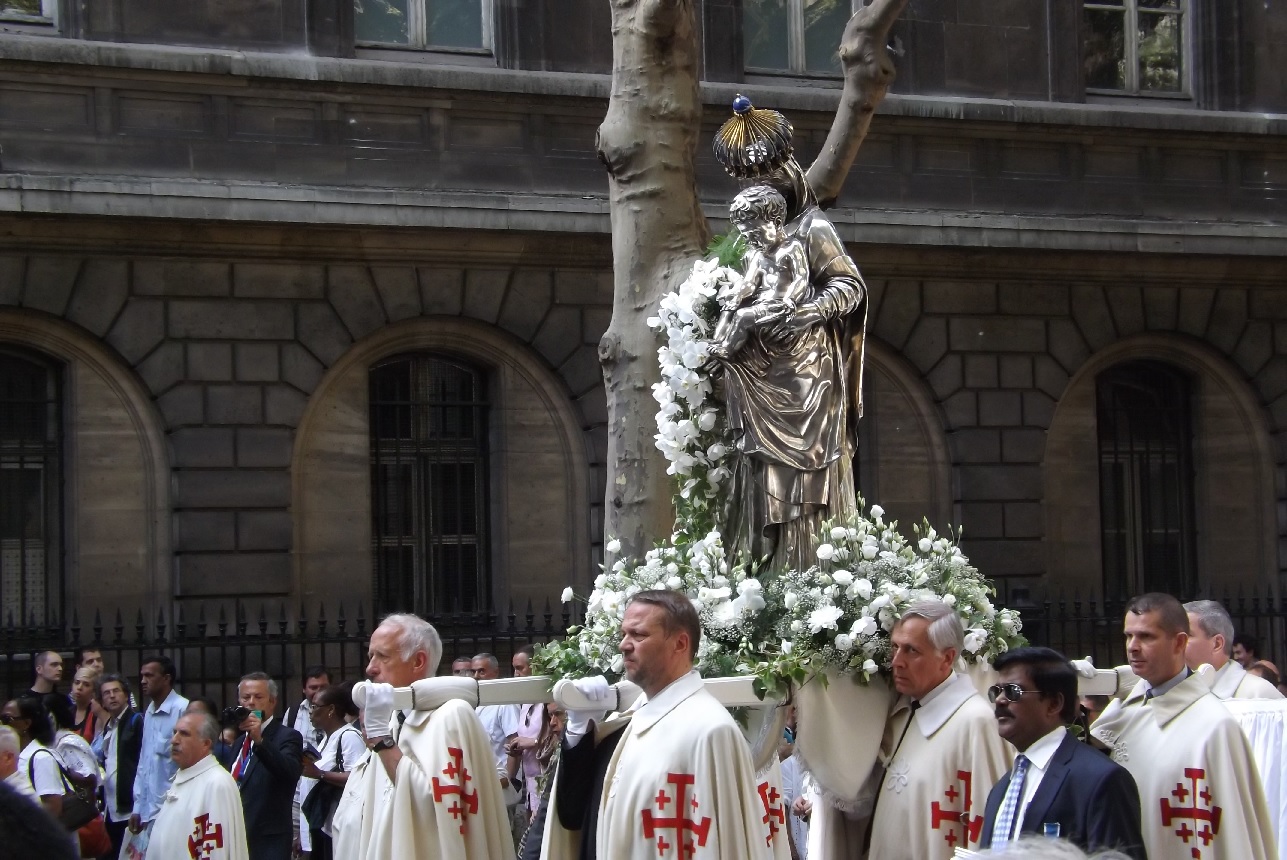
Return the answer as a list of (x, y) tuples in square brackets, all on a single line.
[(971, 825), (457, 788), (774, 815), (205, 838), (1203, 812), (685, 828)]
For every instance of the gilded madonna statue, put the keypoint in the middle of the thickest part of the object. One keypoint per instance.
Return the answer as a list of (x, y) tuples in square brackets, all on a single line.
[(790, 347)]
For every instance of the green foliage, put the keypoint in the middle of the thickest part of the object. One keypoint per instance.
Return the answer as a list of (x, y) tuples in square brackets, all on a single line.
[(728, 249)]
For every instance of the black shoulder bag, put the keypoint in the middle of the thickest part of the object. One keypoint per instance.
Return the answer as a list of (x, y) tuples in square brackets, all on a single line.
[(324, 797)]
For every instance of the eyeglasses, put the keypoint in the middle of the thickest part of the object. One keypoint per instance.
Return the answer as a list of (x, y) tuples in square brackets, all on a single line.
[(1013, 692)]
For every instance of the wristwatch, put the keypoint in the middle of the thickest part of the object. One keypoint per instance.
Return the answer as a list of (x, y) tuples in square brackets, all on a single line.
[(381, 744)]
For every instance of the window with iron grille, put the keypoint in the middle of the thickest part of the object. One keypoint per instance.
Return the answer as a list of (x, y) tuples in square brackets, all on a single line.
[(28, 11), (31, 482), (454, 25), (428, 486), (799, 37), (1137, 47), (1146, 479)]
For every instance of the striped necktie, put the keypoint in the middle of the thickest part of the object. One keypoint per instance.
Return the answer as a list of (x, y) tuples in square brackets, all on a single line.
[(1008, 814)]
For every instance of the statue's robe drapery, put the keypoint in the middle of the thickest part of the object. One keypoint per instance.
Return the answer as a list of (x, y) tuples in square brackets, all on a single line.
[(792, 406), (1199, 789)]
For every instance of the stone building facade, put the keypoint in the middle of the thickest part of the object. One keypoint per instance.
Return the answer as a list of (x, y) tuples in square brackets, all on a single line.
[(236, 239)]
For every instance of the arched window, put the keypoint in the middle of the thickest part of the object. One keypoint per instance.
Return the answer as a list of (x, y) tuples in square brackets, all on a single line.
[(1144, 413), (31, 483), (429, 485)]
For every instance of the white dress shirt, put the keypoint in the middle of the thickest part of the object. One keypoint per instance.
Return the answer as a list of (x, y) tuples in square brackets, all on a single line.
[(1039, 754)]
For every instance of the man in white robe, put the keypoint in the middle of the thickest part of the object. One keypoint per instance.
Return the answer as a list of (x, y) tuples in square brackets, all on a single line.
[(1211, 641), (1200, 794), (427, 786), (941, 751), (200, 816), (679, 782)]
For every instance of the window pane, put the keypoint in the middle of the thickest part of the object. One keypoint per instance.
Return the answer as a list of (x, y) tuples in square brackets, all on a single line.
[(765, 34), (1160, 4), (824, 24), (454, 23), (1105, 49), (381, 21), (21, 7), (1160, 65)]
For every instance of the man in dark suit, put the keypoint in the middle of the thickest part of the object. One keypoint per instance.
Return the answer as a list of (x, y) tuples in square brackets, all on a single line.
[(268, 764), (1058, 785)]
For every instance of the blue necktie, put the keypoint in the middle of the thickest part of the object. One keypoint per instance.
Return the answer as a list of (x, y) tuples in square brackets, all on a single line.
[(1008, 814)]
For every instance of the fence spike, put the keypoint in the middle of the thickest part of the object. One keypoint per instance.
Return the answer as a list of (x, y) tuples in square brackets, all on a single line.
[(513, 619), (340, 621), (303, 620), (140, 625), (180, 624), (263, 620), (75, 626), (282, 622), (361, 620)]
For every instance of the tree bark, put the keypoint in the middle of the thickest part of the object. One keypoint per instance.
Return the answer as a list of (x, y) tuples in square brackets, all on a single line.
[(648, 142), (868, 70)]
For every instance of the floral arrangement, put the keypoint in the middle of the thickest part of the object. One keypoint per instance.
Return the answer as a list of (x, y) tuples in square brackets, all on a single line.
[(787, 626)]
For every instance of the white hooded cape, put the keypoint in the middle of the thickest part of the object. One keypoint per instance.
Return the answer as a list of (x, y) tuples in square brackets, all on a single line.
[(1200, 794), (446, 803), (200, 817)]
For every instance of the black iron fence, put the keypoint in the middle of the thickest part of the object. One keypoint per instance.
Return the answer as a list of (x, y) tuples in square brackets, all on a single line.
[(214, 644), (226, 641)]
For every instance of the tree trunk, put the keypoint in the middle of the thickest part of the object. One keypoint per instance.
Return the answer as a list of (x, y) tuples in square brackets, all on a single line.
[(648, 142), (868, 70)]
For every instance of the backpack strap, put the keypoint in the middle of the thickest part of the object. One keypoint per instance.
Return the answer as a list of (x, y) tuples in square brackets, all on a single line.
[(62, 774)]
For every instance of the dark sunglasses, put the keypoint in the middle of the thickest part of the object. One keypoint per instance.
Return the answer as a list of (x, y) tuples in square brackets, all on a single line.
[(1013, 692)]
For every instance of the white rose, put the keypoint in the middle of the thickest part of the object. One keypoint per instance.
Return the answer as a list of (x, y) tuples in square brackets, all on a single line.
[(824, 618), (673, 583), (925, 544), (786, 646), (869, 666), (826, 552), (796, 626), (567, 595), (949, 599), (839, 533), (877, 512), (707, 421), (869, 551), (864, 626), (716, 451), (844, 642), (613, 546), (618, 662), (974, 639), (790, 599), (842, 577), (862, 588)]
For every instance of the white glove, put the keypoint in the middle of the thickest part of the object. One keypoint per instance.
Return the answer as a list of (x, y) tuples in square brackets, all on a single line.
[(379, 710), (1085, 668), (596, 689)]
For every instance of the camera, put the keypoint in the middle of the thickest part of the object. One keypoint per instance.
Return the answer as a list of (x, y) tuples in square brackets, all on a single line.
[(234, 716)]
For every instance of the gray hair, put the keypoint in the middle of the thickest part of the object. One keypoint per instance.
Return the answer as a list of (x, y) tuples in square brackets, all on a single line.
[(207, 726), (489, 657), (945, 629), (9, 742), (1045, 848), (1214, 620), (416, 634), (260, 676)]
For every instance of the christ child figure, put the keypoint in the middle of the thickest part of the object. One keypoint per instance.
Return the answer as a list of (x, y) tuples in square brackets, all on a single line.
[(777, 272)]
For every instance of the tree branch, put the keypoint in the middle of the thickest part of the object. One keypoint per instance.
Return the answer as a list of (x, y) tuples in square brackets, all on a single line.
[(868, 71)]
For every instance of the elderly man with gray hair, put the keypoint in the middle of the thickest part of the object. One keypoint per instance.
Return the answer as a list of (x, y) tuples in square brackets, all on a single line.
[(941, 751), (1211, 641), (427, 786), (200, 814)]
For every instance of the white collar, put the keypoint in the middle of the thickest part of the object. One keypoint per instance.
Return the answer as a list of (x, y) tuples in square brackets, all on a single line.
[(939, 704), (1042, 750), (650, 712), (1227, 679), (167, 704), (189, 773), (1167, 686)]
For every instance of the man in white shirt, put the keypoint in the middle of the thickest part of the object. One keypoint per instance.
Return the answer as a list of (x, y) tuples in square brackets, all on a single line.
[(1211, 641), (1058, 786), (156, 768), (300, 718), (9, 749), (500, 722), (118, 750)]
